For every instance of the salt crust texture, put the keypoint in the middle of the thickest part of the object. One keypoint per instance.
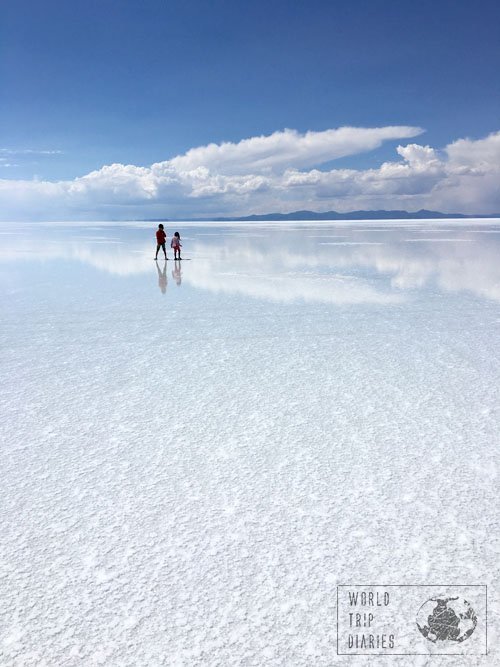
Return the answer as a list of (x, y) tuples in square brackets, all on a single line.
[(188, 475)]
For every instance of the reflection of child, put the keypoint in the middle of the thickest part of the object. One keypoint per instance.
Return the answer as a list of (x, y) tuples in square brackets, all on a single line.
[(176, 246), (161, 237), (176, 274), (162, 278)]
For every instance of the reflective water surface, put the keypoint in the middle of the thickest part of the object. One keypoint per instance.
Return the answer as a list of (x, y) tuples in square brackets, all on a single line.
[(291, 407), (338, 264)]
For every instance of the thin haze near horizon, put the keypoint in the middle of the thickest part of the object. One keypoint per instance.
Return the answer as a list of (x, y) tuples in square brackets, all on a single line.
[(125, 110)]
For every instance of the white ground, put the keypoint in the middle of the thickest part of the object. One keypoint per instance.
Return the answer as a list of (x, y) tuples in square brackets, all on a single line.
[(186, 476)]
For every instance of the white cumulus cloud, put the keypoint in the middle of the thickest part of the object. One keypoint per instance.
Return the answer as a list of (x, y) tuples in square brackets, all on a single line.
[(288, 148), (279, 172)]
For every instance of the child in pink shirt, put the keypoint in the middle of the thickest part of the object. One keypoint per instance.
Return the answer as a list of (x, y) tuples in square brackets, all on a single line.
[(176, 246)]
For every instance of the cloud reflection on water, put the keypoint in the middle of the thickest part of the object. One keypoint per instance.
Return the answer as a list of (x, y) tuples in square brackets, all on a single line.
[(291, 263)]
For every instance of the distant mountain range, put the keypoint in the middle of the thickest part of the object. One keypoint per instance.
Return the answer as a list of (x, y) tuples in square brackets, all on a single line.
[(423, 214)]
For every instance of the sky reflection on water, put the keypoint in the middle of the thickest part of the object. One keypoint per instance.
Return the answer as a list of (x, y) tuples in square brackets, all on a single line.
[(324, 263)]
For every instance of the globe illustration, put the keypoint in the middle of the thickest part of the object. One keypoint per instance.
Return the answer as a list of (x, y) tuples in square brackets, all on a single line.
[(443, 619)]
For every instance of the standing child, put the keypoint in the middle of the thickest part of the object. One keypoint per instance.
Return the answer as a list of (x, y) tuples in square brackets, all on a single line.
[(176, 246), (161, 237)]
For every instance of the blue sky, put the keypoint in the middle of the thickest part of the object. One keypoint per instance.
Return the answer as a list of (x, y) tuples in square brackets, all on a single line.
[(112, 81)]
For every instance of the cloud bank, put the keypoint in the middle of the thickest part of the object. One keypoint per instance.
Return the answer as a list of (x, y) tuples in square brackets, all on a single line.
[(280, 172)]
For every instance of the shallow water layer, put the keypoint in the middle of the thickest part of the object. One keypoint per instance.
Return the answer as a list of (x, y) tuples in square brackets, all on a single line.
[(196, 454)]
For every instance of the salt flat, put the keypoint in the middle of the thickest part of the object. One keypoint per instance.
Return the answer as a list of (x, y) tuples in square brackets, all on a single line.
[(195, 455)]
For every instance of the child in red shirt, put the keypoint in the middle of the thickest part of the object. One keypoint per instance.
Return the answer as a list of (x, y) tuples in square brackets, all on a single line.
[(161, 237)]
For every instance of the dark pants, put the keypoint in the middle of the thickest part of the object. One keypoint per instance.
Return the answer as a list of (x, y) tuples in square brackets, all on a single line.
[(162, 246)]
